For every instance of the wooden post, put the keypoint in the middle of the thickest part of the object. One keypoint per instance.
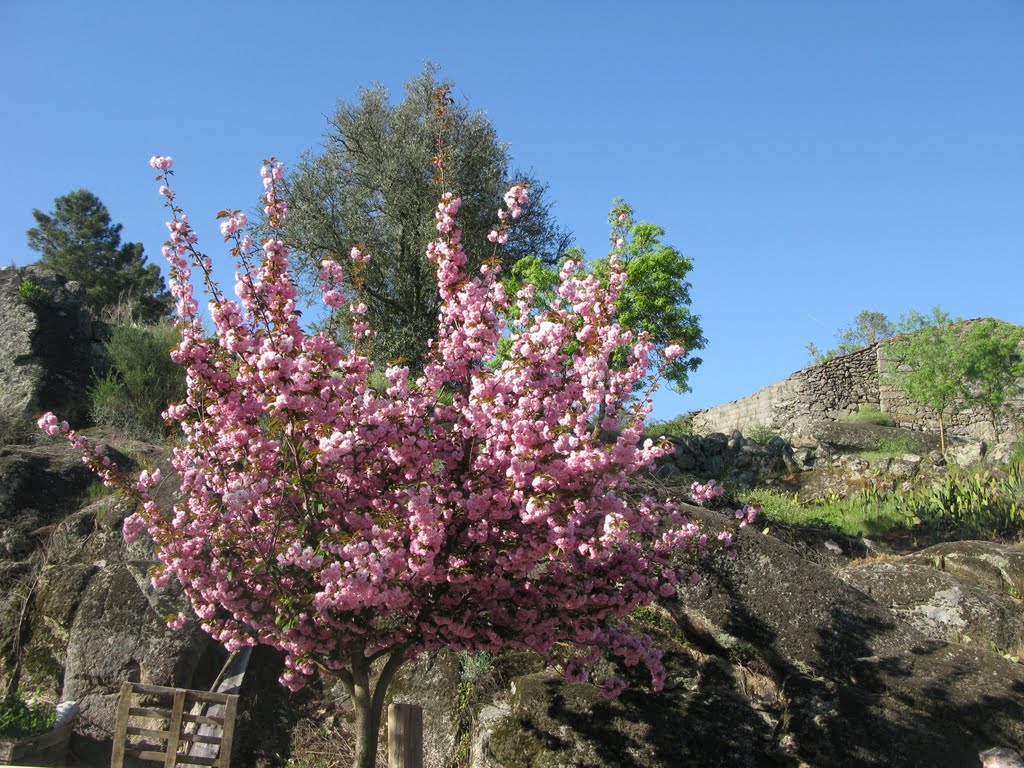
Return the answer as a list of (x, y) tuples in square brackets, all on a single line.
[(405, 736)]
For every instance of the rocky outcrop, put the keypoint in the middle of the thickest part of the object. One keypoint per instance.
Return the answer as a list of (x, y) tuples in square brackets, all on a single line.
[(49, 345), (744, 462), (77, 614), (776, 661)]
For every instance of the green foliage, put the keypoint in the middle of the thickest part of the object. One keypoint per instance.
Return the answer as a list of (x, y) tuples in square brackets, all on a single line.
[(20, 720), (947, 366), (861, 514), (655, 298), (994, 366), (761, 433), (869, 415), (78, 241), (678, 427), (141, 382), (33, 293), (870, 327), (961, 504), (913, 320), (978, 504), (374, 184)]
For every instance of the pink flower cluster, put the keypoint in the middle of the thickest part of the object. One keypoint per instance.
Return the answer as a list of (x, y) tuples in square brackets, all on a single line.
[(701, 493), (515, 199), (474, 507)]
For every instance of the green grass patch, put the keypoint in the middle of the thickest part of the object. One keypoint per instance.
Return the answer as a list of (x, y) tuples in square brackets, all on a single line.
[(862, 514), (870, 415), (891, 447)]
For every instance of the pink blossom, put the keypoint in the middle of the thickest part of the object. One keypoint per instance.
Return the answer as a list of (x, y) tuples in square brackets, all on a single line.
[(470, 506)]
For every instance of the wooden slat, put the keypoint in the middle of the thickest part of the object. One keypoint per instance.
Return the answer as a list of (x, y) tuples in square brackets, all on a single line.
[(184, 760), (226, 743), (138, 730), (177, 710), (123, 707), (148, 754)]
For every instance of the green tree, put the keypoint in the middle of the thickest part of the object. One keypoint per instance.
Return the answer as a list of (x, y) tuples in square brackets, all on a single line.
[(374, 184), (994, 366), (930, 367), (655, 297), (78, 241), (867, 328), (870, 327)]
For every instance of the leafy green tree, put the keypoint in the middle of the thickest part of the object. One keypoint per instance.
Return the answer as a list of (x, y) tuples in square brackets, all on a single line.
[(78, 241), (915, 321), (374, 184), (655, 297), (870, 327), (930, 367), (994, 366)]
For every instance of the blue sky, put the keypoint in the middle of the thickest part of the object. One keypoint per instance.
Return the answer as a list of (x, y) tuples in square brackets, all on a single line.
[(813, 158)]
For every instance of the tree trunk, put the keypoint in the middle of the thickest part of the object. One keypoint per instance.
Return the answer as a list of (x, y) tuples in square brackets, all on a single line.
[(942, 435), (368, 700)]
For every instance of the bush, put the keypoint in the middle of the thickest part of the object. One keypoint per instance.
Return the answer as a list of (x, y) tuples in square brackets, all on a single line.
[(761, 433), (20, 720), (141, 382), (34, 294), (679, 426), (869, 415)]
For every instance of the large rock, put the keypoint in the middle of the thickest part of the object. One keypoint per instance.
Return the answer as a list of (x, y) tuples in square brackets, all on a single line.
[(49, 345), (996, 566), (844, 436), (940, 605), (773, 661), (79, 610)]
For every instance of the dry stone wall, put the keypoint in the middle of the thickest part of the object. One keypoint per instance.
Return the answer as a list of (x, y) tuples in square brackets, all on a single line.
[(837, 388)]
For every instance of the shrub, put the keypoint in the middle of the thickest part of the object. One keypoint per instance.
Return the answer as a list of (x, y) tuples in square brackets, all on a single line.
[(679, 426), (33, 293), (141, 382), (20, 720), (761, 433)]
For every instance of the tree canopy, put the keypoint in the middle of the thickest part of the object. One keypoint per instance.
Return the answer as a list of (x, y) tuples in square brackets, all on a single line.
[(78, 241), (947, 366), (655, 298), (871, 326), (372, 184)]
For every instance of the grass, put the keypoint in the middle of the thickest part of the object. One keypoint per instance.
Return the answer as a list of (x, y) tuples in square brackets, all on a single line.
[(761, 434), (678, 427), (857, 515), (869, 415), (891, 447)]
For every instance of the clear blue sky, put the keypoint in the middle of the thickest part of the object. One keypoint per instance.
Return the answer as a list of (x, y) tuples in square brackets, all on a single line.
[(813, 158)]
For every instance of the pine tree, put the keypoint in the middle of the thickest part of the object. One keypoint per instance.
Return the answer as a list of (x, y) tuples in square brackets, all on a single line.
[(78, 241)]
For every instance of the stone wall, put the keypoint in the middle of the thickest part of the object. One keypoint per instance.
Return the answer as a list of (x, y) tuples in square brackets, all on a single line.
[(837, 388)]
